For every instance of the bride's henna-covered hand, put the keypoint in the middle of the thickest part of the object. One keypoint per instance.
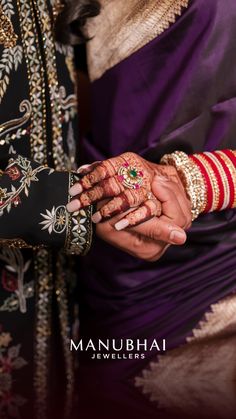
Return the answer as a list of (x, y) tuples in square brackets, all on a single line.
[(127, 179)]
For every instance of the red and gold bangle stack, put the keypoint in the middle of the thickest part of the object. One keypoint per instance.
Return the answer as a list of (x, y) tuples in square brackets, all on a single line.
[(209, 179)]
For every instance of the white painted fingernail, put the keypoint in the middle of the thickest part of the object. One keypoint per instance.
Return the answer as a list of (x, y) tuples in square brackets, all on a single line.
[(96, 218), (121, 225), (73, 205), (76, 189), (177, 237), (84, 167)]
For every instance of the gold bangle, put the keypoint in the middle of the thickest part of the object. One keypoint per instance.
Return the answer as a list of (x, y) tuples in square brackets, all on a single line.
[(191, 178)]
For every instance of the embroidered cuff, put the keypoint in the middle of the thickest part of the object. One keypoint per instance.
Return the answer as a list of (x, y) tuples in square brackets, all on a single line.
[(33, 213), (79, 229)]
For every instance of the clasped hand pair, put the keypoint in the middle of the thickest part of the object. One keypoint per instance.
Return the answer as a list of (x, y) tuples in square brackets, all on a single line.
[(142, 207)]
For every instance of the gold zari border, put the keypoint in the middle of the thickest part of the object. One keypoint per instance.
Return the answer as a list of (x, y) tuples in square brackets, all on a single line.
[(124, 27)]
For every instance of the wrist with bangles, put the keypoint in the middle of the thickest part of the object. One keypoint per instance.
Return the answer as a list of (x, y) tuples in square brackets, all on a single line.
[(209, 179)]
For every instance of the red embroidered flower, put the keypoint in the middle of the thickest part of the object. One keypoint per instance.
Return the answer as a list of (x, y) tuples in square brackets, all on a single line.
[(13, 172), (16, 201), (9, 281)]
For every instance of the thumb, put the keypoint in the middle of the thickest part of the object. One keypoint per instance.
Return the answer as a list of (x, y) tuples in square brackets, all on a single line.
[(161, 188)]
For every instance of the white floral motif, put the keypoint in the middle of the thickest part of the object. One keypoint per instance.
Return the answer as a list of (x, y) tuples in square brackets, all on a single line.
[(15, 263), (79, 230), (36, 79), (12, 303), (55, 221)]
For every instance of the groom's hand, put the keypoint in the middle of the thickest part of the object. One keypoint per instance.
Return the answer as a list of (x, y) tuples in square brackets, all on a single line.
[(151, 239)]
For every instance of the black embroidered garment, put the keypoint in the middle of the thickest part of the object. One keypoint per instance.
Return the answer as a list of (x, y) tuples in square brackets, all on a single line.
[(37, 155)]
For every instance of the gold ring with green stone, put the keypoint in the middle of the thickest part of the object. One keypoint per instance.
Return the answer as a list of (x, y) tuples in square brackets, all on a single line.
[(130, 176)]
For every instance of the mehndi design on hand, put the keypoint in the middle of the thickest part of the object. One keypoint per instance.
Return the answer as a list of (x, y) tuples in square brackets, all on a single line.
[(127, 180)]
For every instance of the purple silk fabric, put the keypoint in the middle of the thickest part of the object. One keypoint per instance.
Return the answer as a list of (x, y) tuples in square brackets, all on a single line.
[(177, 92)]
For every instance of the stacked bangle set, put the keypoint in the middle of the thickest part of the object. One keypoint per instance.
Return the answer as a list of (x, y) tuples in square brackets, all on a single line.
[(209, 179)]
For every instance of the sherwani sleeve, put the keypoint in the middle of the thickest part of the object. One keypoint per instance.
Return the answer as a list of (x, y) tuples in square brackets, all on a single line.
[(33, 213)]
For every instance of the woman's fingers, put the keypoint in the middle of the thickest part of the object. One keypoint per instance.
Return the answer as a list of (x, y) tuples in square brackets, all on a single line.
[(102, 171), (132, 168), (105, 189), (148, 210), (87, 168), (128, 199), (161, 229)]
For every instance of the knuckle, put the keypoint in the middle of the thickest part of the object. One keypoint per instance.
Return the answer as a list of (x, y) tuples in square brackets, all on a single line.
[(129, 155), (152, 207), (106, 210), (158, 209), (156, 233), (141, 249), (138, 242), (181, 220), (85, 199)]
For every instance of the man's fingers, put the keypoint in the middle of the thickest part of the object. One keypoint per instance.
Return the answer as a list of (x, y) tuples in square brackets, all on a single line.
[(151, 208), (128, 199), (184, 202), (172, 205), (128, 241), (159, 229)]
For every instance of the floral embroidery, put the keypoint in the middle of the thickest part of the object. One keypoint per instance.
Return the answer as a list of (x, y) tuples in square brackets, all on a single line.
[(14, 263), (46, 28), (79, 227), (13, 172), (10, 361), (21, 170), (35, 70), (34, 17), (12, 54), (9, 281), (79, 230), (55, 220), (12, 303)]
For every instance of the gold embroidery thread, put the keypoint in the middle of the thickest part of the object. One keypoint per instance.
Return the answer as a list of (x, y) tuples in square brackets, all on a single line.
[(8, 38)]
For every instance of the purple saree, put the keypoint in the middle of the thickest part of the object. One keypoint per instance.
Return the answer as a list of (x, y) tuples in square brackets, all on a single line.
[(177, 92)]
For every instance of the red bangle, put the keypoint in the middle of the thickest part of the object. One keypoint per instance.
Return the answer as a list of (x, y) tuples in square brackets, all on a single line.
[(230, 180), (218, 169)]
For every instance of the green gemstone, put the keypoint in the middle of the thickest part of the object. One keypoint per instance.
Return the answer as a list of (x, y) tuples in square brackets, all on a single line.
[(133, 173)]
